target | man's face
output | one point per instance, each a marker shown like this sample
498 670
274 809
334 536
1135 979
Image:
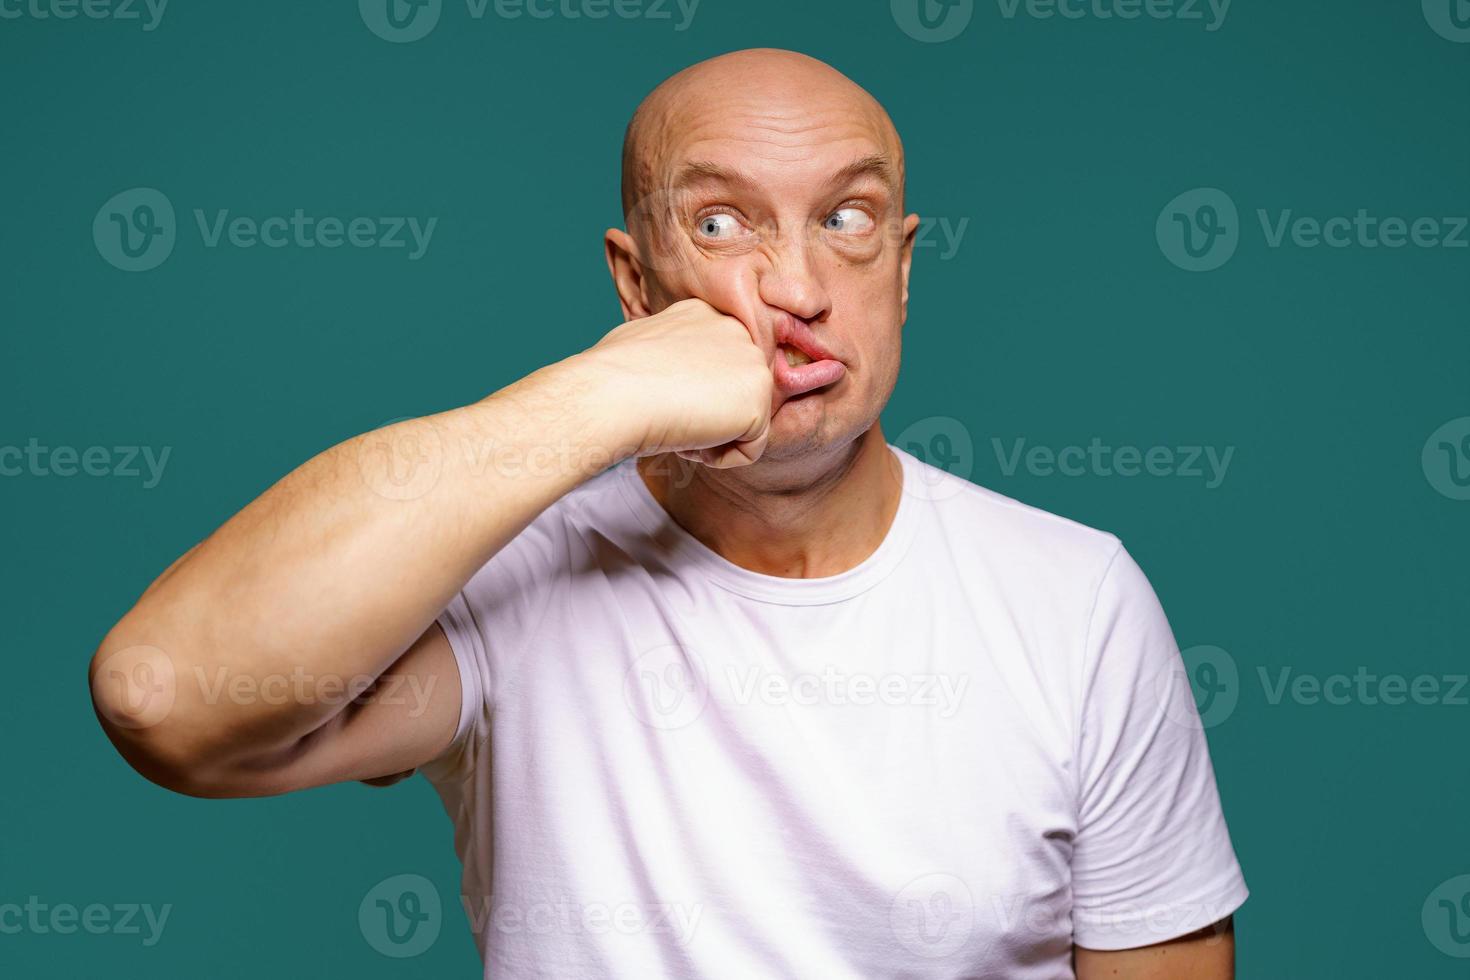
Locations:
787 214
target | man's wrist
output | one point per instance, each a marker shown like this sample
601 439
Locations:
566 421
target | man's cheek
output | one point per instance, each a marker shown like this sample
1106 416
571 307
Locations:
733 288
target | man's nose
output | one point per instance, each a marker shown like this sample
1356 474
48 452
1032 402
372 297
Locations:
791 280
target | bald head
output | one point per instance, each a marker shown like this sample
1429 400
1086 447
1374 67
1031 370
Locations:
778 101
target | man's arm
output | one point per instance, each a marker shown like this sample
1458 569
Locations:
340 569
1208 954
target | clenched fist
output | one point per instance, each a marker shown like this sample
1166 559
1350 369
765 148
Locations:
692 381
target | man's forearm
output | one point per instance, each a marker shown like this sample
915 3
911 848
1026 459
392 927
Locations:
341 565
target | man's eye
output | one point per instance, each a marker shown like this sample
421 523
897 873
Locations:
849 221
719 226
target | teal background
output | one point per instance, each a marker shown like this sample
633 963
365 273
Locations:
1059 319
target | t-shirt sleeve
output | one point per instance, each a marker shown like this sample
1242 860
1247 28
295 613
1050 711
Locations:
1152 858
468 643
489 622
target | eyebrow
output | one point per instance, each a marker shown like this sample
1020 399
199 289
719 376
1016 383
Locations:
703 171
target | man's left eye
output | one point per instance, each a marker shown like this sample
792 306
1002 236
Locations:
849 221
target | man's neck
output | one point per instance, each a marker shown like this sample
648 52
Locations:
806 519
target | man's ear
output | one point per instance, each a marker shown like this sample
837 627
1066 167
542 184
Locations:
627 273
906 261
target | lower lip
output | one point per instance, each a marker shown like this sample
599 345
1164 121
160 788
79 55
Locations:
792 381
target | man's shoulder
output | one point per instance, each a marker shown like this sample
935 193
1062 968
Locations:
981 522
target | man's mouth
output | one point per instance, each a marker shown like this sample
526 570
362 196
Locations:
804 364
795 356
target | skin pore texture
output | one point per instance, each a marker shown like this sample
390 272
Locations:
770 186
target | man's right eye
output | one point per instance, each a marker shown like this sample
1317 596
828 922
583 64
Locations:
719 226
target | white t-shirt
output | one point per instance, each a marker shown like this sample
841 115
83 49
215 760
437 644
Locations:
953 760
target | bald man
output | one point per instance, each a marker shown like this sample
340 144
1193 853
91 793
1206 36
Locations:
712 680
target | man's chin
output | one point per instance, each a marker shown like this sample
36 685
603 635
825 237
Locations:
800 428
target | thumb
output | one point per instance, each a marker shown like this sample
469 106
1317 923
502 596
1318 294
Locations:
742 451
